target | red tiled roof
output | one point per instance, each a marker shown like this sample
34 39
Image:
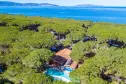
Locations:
64 53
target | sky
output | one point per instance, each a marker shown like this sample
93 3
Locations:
75 2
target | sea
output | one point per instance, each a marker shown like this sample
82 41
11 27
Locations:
95 14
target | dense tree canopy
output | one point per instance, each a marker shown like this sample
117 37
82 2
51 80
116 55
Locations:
25 44
37 58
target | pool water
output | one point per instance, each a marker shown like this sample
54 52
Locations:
59 75
68 69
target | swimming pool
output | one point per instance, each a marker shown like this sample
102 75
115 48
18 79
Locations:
59 75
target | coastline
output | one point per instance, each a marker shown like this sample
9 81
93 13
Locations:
81 13
62 18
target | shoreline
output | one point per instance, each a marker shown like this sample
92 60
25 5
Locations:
64 18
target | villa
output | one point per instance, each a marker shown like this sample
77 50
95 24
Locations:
61 65
62 58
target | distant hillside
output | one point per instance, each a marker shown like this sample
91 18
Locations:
6 3
88 5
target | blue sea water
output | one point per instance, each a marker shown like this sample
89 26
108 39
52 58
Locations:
108 14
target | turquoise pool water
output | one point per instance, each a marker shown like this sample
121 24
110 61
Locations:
68 69
59 75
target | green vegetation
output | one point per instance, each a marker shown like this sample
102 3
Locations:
25 44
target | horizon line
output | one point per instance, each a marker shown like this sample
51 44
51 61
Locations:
65 5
